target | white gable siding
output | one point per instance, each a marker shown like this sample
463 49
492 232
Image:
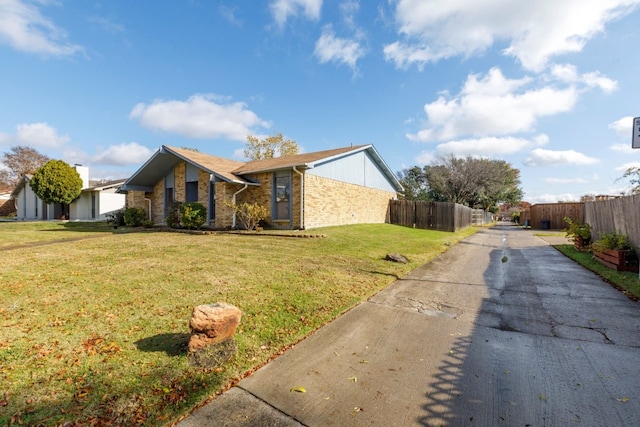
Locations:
357 168
30 207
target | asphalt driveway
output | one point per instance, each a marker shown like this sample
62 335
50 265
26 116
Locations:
500 330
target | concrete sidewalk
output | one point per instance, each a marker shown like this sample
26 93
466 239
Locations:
406 355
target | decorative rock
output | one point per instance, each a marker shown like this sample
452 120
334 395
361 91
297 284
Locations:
397 258
212 324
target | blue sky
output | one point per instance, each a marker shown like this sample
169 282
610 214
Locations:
550 86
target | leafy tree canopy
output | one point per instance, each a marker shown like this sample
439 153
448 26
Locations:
56 182
633 175
478 183
18 161
415 184
269 147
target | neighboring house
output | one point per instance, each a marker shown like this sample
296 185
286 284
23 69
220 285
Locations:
97 199
334 187
7 206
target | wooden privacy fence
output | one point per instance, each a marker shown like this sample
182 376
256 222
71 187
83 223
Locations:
551 215
442 216
621 215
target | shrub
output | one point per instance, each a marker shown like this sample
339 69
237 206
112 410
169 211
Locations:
116 217
614 240
134 217
193 215
577 230
250 214
173 215
147 223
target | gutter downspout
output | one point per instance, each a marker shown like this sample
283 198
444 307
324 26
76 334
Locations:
301 197
233 224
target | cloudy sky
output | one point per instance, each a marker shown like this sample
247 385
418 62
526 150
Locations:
551 86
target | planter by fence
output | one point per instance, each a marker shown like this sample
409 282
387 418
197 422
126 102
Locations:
615 259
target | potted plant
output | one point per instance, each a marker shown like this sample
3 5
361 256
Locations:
616 251
579 233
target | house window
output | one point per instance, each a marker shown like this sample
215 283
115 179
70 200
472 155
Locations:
168 200
282 196
191 183
93 205
212 201
191 191
36 205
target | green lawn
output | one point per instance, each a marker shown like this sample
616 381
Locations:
95 330
625 281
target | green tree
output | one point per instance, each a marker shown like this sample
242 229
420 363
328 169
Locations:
478 183
269 147
633 175
415 184
56 182
18 161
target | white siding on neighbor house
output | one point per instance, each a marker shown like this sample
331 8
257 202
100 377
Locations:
30 207
357 168
105 201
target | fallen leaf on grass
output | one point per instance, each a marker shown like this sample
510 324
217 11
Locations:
298 389
354 379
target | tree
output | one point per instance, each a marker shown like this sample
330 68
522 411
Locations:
18 161
478 183
269 147
633 175
414 182
56 182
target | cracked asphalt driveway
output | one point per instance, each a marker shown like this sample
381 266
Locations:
501 329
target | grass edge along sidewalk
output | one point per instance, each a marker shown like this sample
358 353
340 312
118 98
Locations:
94 330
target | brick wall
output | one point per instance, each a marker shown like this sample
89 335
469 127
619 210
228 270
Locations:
157 203
179 175
329 202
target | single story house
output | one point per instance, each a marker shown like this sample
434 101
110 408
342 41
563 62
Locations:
7 206
341 186
97 199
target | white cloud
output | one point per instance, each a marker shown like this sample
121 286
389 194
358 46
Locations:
24 28
566 181
553 198
283 9
492 105
534 31
623 127
348 9
623 148
425 158
330 48
200 117
489 146
541 157
128 153
625 166
229 14
38 135
568 73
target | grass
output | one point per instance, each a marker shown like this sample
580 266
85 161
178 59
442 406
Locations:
95 330
625 281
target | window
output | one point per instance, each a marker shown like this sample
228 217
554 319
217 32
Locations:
212 201
191 183
93 205
192 191
168 200
282 196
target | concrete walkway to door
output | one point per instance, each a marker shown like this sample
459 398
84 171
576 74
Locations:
502 329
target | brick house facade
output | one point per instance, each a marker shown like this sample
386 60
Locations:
334 187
